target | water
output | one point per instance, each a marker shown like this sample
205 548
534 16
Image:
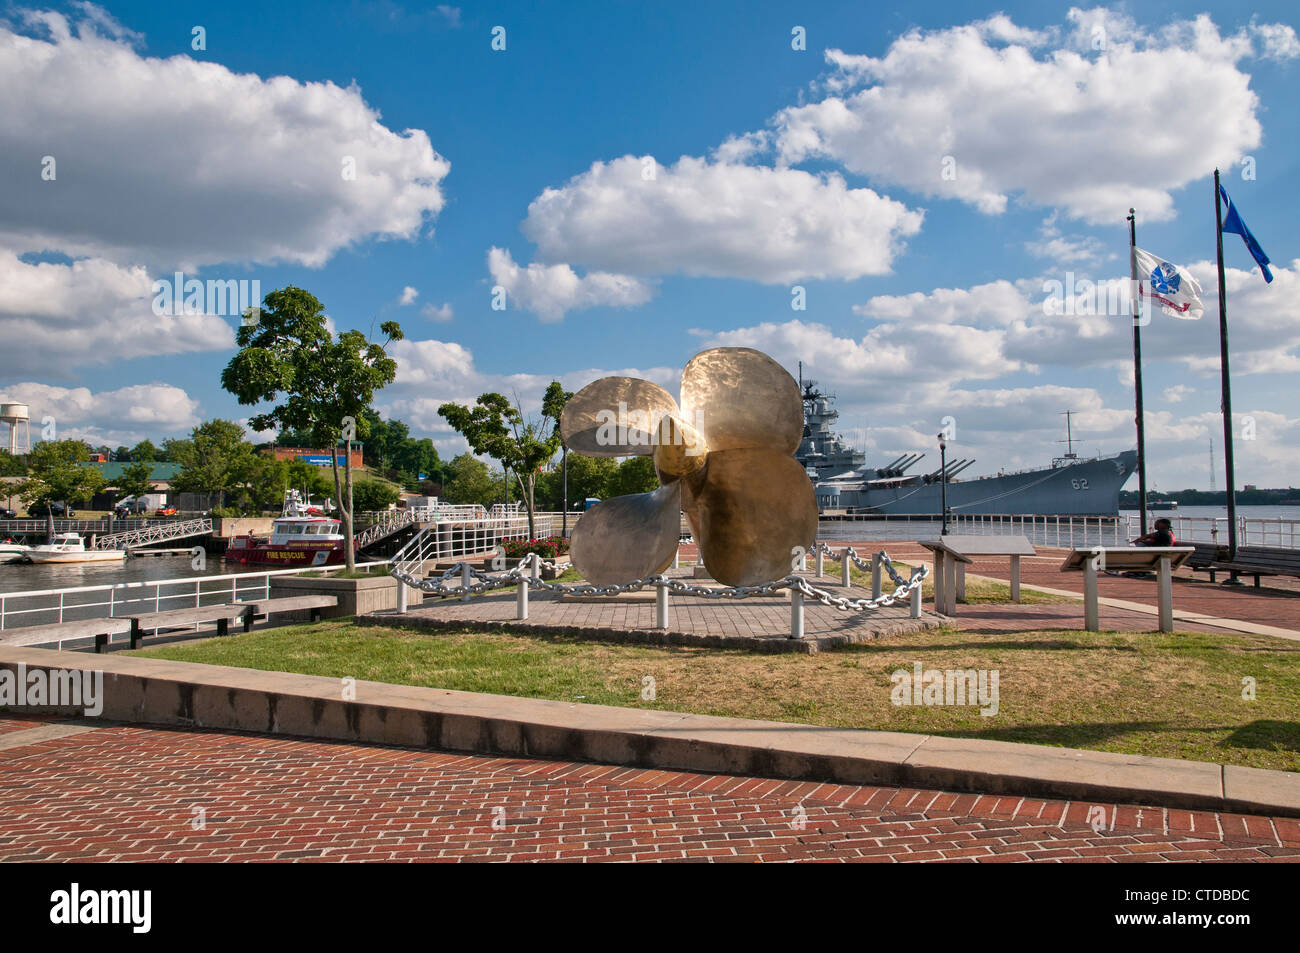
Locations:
22 577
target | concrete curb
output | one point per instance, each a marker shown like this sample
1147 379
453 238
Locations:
157 691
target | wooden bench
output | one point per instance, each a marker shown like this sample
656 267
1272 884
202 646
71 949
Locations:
1163 559
1261 561
58 632
183 618
1206 558
264 608
952 556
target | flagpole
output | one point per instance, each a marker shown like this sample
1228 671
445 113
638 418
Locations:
1137 367
1231 485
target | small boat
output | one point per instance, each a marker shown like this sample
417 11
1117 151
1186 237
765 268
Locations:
11 552
71 548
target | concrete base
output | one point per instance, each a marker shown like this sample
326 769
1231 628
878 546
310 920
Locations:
157 691
356 596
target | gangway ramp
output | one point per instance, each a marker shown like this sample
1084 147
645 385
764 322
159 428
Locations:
156 533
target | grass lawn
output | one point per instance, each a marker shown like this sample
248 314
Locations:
1176 695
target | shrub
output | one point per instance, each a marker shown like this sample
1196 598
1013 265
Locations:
547 547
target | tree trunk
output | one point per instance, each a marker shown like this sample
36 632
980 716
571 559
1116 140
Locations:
338 495
49 522
350 545
526 490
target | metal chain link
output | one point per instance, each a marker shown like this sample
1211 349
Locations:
521 574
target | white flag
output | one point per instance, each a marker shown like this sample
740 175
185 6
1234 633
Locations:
1169 286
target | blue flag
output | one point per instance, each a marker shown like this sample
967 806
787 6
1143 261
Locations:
1232 223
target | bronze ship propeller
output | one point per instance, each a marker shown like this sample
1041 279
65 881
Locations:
724 455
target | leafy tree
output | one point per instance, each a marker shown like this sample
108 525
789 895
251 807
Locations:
121 455
56 475
324 382
523 447
588 476
634 475
468 481
214 460
372 495
146 452
11 465
134 481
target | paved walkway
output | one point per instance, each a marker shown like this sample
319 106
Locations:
124 793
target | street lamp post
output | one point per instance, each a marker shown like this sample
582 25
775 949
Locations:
564 492
943 482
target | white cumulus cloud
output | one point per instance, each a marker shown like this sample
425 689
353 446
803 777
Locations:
550 291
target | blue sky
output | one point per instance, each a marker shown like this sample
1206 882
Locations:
923 292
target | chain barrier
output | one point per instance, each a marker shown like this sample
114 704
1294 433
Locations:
437 585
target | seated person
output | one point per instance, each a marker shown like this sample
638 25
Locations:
1163 535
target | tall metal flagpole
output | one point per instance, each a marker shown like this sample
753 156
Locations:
1137 367
1231 485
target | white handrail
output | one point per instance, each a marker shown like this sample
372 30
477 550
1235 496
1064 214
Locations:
123 593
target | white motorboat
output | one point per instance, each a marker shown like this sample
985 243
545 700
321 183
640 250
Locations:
13 552
71 548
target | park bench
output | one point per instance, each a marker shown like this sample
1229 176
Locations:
264 608
1161 559
1206 557
1261 561
952 555
184 618
59 632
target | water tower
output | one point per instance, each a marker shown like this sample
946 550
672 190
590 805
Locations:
13 415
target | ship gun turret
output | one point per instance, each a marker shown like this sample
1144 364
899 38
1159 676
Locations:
949 471
897 468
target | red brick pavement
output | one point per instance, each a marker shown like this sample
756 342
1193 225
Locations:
126 793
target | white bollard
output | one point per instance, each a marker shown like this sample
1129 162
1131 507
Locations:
401 596
820 563
875 575
796 614
845 565
677 558
521 600
916 603
464 582
661 607
536 563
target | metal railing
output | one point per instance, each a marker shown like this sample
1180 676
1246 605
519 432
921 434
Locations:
155 533
1251 530
23 527
446 540
41 606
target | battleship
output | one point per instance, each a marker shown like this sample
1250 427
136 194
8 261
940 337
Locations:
845 485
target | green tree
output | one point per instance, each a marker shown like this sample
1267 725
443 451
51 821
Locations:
214 461
11 465
56 475
468 482
372 495
134 481
146 452
495 428
325 382
588 476
634 475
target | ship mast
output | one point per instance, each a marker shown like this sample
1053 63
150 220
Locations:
1069 435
